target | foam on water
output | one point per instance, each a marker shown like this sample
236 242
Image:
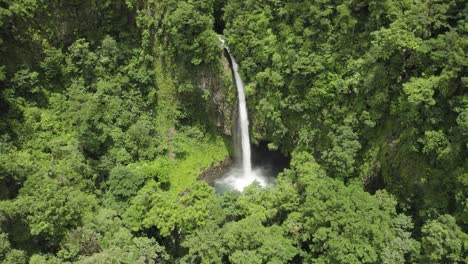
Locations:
235 179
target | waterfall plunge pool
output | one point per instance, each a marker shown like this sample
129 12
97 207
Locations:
266 165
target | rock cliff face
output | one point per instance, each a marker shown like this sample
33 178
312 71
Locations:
217 88
211 174
202 96
223 100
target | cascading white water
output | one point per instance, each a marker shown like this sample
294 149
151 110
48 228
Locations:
243 121
241 178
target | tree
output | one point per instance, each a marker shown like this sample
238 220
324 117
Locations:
52 209
443 241
205 245
248 241
124 184
4 245
15 257
344 224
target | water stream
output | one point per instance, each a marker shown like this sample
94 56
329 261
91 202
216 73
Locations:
243 120
240 177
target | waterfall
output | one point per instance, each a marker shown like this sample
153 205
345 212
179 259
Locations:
239 178
243 121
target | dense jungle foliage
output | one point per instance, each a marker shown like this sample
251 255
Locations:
110 110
